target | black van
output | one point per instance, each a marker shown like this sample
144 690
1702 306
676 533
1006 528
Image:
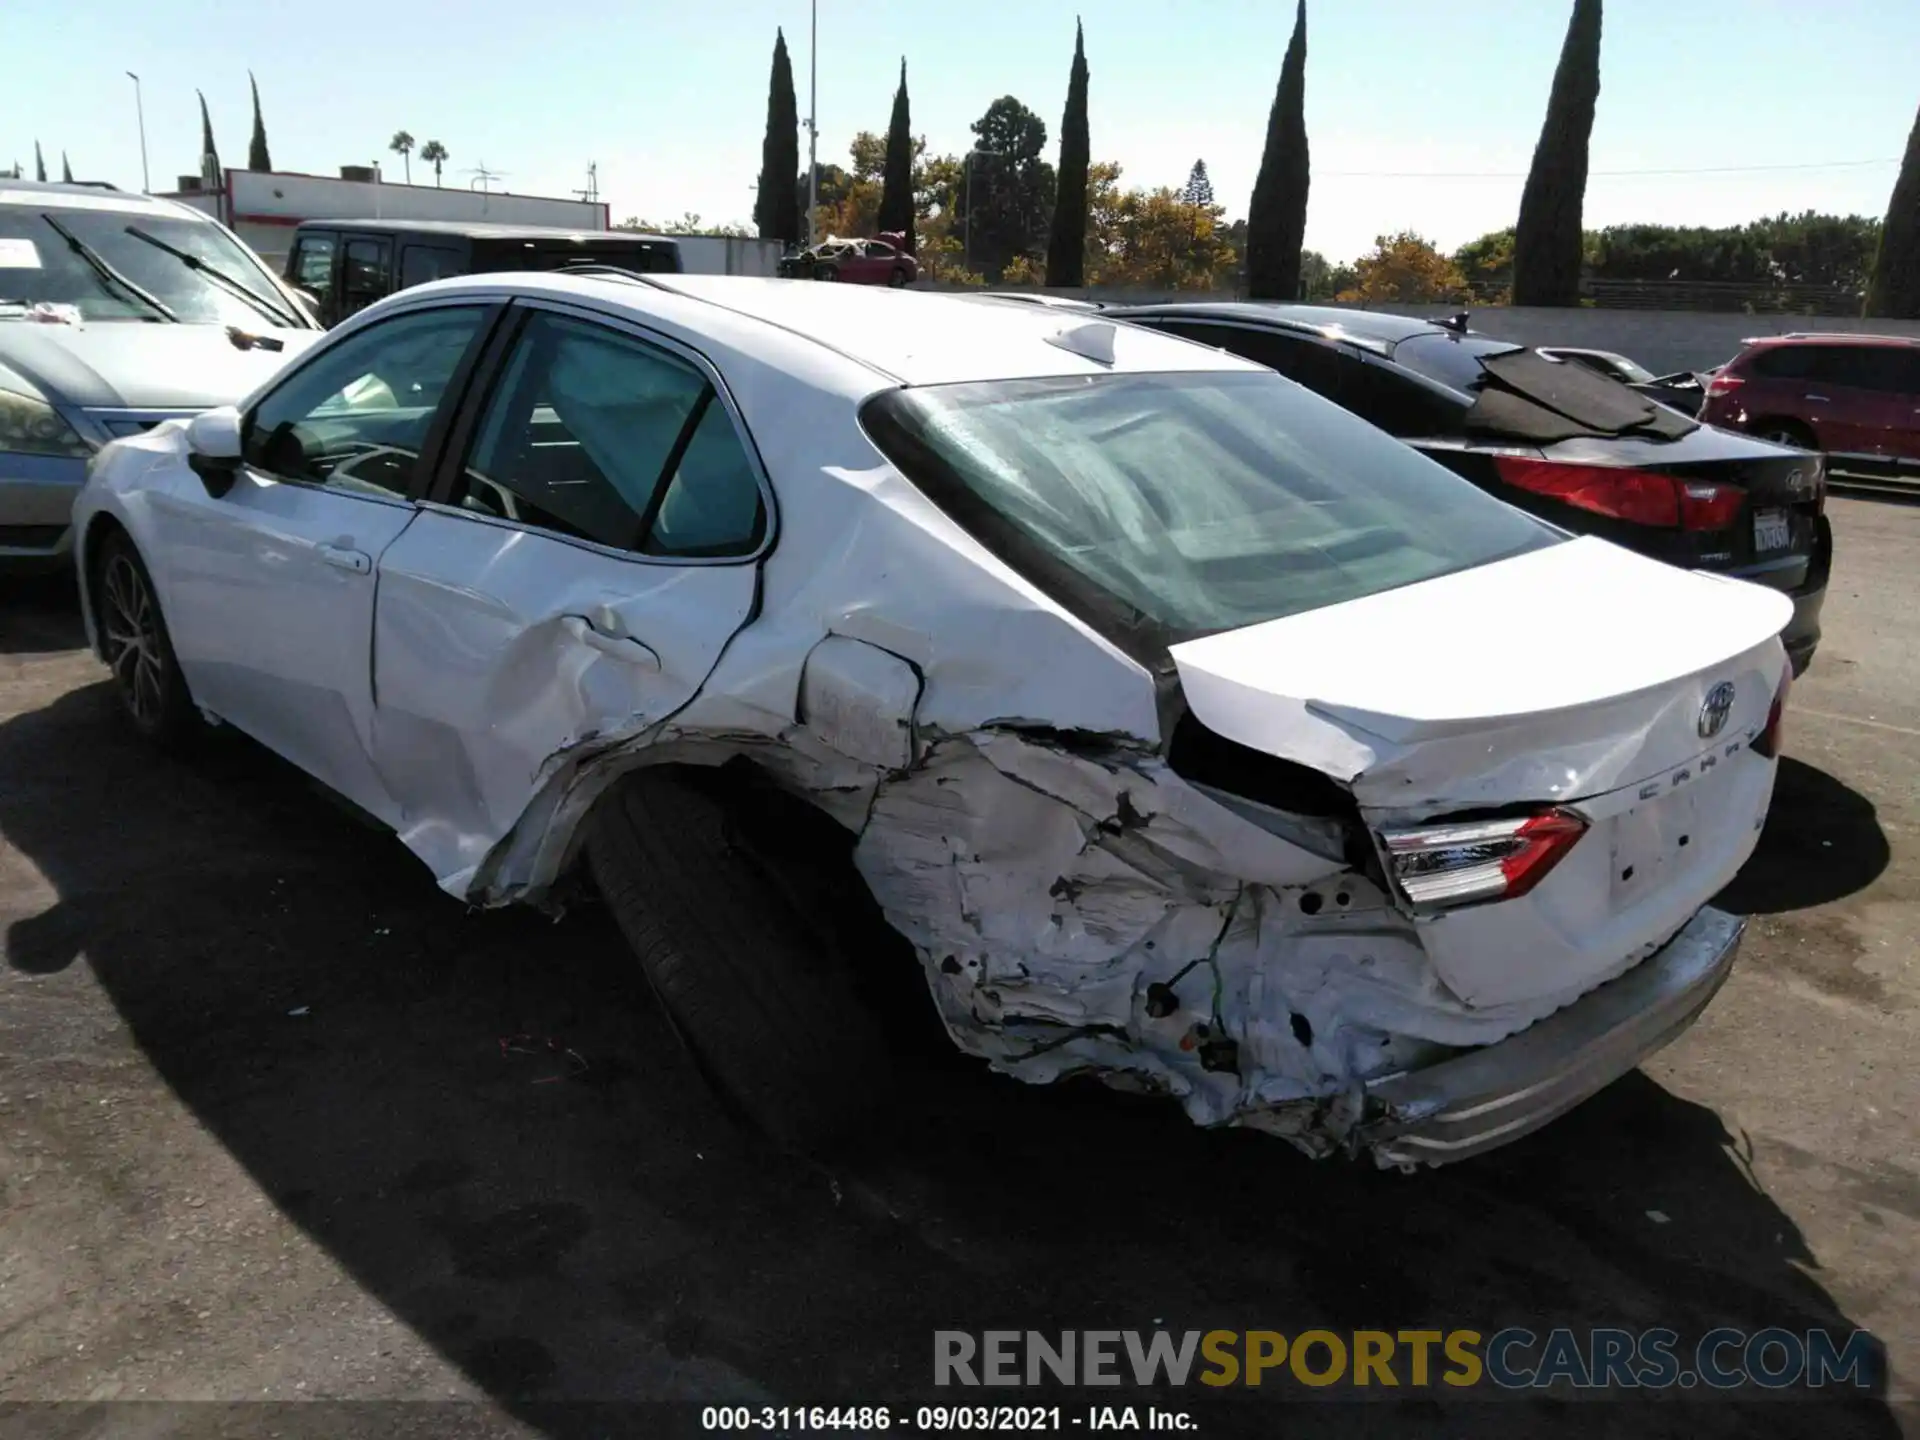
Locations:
346 265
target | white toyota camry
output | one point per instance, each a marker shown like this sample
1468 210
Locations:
1193 732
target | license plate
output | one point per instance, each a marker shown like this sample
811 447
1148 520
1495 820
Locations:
1772 530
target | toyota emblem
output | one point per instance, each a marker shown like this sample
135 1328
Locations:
1713 714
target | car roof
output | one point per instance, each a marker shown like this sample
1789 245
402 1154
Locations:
483 230
910 337
1831 337
52 196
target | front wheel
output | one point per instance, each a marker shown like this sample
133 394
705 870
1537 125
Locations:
897 279
134 640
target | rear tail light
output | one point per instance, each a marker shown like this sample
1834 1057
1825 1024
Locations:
1767 742
1469 862
1640 497
1724 384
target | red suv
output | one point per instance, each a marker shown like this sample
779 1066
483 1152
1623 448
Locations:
1857 397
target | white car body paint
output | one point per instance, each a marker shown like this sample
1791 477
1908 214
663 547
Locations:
1001 762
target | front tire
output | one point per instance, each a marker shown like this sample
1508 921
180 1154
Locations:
766 1003
134 640
897 279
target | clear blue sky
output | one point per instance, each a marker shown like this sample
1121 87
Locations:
671 100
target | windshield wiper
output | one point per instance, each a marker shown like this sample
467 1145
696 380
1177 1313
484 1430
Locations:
219 277
106 272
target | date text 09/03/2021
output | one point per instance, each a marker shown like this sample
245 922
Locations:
940 1419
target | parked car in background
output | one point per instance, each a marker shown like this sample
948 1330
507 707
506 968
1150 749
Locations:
346 265
1856 398
1186 730
1683 390
1553 438
117 311
882 260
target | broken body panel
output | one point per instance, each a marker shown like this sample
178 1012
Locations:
1077 904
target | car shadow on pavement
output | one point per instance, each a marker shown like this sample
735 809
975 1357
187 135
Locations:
40 615
484 1120
1822 843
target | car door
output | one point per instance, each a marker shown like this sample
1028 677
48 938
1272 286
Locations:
269 587
1904 443
311 268
366 272
587 552
1827 387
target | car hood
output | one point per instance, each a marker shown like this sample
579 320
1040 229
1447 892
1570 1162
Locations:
136 366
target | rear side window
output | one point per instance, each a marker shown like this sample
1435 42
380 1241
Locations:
1302 360
1164 507
421 263
1787 362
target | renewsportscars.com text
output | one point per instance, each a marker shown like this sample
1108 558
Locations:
1512 1359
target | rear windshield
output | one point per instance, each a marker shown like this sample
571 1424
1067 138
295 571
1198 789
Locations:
1166 507
1451 359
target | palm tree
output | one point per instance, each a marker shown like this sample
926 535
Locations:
435 154
402 145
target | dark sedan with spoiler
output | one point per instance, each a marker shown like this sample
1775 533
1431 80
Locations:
1574 447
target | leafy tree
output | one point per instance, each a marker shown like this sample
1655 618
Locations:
1405 269
1067 238
688 224
1199 188
210 171
257 156
896 181
39 164
402 145
1894 291
1006 188
1321 279
776 208
435 154
1547 239
1277 216
1815 249
1487 261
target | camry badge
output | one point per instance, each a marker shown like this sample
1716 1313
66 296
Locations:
1713 714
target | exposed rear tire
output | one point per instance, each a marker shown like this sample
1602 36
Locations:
766 1003
134 640
897 279
1786 432
826 272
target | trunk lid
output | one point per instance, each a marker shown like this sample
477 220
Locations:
1575 676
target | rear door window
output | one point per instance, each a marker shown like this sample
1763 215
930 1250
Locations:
1302 359
367 275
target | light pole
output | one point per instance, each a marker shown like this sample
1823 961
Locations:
140 110
813 116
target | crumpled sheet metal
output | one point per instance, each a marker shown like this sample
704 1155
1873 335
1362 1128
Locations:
1047 891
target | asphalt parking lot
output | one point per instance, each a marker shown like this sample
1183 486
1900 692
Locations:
266 1133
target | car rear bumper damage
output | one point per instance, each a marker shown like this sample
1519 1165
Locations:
1487 1097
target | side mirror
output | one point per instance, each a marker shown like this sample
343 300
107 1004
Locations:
213 448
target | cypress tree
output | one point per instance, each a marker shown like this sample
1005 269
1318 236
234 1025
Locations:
257 156
1199 187
210 171
896 187
1277 215
1894 291
66 170
1067 239
776 208
1547 240
39 164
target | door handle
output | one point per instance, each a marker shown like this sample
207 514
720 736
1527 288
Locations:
620 647
343 557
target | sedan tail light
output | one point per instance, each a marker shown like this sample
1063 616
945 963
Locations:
1640 497
1470 862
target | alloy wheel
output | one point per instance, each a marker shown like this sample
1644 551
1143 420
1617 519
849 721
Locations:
130 628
